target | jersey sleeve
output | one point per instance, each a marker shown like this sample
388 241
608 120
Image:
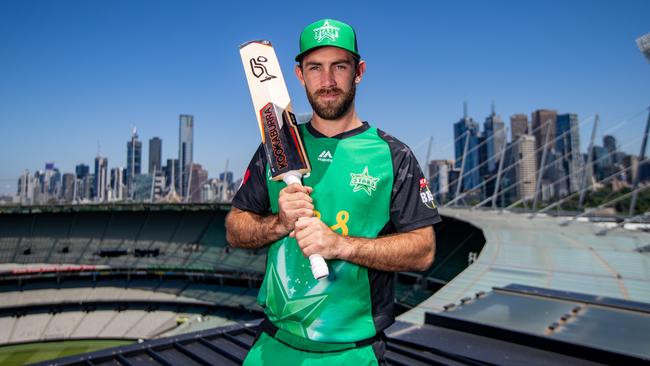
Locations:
253 194
411 204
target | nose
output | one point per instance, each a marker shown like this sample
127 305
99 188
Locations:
327 79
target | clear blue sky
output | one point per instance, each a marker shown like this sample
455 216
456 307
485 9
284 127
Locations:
78 74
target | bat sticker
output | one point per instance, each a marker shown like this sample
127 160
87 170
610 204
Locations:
259 69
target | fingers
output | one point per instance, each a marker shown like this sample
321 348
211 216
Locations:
292 197
306 222
312 236
296 188
294 202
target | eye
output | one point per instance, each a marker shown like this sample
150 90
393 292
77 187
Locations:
341 67
313 68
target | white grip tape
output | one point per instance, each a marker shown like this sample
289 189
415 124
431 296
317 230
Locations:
318 266
292 177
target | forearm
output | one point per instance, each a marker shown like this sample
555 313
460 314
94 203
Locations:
246 229
410 251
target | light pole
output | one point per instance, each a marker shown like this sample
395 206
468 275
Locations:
644 46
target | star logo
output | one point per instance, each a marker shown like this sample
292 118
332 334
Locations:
296 315
326 31
364 181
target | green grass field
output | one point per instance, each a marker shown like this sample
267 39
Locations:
24 354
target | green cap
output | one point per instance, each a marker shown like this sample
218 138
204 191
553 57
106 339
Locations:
327 32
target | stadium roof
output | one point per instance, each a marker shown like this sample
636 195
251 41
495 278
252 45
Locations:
547 252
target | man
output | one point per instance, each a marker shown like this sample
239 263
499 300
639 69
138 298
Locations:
365 207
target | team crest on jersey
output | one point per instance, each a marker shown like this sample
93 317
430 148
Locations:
425 194
363 181
326 31
325 156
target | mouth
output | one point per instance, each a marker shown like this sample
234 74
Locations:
329 95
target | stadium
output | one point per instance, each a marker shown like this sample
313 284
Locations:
160 283
112 275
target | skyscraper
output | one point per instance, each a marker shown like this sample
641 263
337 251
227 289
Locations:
117 184
602 162
185 149
82 170
101 178
68 187
155 156
518 125
439 178
26 188
568 147
198 177
495 140
539 120
466 129
133 159
525 171
609 142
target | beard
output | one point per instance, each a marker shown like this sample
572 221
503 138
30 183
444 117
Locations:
335 109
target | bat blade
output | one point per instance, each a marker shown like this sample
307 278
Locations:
277 123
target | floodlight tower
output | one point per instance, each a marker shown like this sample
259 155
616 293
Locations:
644 46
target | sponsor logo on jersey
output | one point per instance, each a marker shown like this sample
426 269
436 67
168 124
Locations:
325 156
425 194
326 31
363 182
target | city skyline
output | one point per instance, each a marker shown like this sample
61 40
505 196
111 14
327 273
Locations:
68 84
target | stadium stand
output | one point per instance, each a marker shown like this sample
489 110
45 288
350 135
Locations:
189 237
91 324
62 325
7 324
29 327
129 272
36 306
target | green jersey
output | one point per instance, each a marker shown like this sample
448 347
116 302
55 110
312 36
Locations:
366 184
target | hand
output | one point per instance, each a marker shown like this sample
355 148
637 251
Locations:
314 237
294 202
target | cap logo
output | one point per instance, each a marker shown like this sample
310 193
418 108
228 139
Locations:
326 31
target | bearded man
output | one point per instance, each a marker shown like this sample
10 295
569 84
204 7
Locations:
365 207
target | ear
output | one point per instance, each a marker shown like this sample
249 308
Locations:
361 69
298 71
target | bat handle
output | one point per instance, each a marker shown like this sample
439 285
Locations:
292 177
318 265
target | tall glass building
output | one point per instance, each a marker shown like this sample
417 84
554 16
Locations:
568 146
185 149
465 129
133 160
155 156
495 140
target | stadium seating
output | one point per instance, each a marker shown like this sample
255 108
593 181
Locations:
62 325
194 239
7 324
91 324
107 303
30 327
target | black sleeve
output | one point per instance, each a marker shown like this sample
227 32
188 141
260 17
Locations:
411 203
253 194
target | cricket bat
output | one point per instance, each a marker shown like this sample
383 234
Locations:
280 136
